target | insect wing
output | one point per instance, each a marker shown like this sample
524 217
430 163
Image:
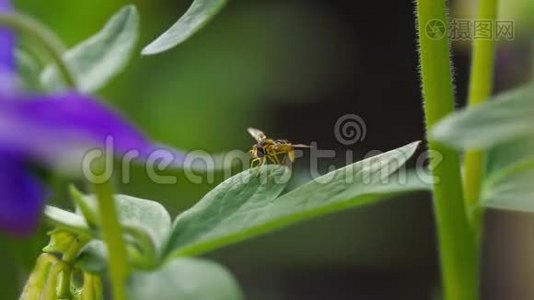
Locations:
257 134
300 146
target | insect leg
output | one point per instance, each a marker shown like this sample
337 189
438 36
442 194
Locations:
273 155
262 161
273 159
254 161
277 158
283 162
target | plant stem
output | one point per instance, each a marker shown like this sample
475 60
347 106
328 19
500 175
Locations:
51 285
64 286
68 259
113 236
40 33
457 249
88 292
480 88
36 283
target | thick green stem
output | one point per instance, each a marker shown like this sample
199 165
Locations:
114 238
38 32
480 88
457 248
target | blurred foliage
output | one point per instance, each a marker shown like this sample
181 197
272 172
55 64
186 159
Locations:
518 11
233 74
203 94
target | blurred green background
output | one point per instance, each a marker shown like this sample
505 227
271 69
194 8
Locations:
292 68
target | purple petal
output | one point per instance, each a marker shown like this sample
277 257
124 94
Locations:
5 5
22 196
61 129
7 47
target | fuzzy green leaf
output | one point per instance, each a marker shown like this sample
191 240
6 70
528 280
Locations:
94 257
198 14
504 118
511 188
508 154
28 70
184 279
66 220
98 59
244 206
143 218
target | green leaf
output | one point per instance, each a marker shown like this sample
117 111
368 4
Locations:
184 279
146 223
66 220
512 188
98 59
506 117
94 257
198 14
28 69
509 153
140 215
140 250
222 207
83 207
244 206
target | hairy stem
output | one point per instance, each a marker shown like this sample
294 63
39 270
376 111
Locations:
457 249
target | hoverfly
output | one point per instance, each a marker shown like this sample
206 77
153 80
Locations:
270 149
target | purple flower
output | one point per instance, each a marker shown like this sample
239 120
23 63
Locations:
52 130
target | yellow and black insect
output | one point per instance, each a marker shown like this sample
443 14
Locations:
270 149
